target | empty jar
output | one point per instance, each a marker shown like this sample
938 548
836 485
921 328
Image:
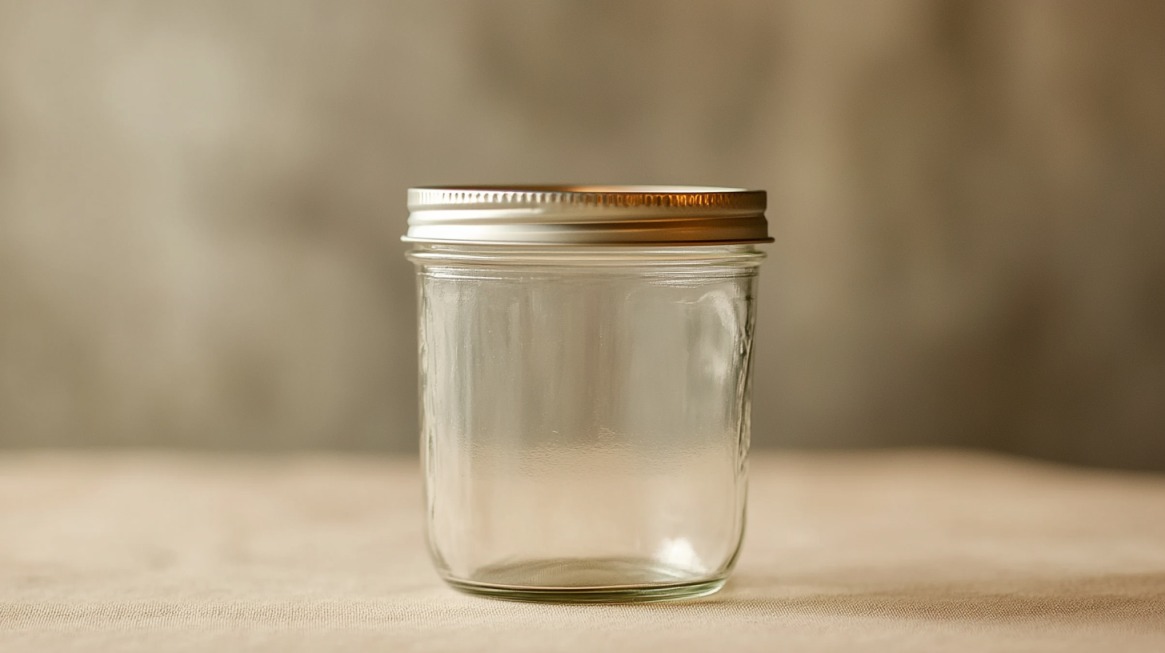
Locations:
585 365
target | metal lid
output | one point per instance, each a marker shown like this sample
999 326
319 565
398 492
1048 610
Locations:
587 215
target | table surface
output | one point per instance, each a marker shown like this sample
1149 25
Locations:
897 550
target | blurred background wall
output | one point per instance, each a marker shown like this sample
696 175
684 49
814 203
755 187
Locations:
200 204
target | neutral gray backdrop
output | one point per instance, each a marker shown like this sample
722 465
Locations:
200 204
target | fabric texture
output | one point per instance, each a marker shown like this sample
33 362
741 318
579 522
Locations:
888 551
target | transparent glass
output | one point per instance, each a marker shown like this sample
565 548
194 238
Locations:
585 417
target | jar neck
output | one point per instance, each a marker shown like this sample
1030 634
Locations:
745 255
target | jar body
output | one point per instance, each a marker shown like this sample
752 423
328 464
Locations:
585 417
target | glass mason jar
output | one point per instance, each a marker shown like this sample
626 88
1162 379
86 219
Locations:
585 365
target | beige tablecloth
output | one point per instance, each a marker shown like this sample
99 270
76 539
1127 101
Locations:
892 551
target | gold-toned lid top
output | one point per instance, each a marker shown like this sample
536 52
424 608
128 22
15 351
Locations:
587 215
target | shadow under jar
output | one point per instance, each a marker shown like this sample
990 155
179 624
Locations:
585 366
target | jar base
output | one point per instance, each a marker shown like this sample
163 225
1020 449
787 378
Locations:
608 580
